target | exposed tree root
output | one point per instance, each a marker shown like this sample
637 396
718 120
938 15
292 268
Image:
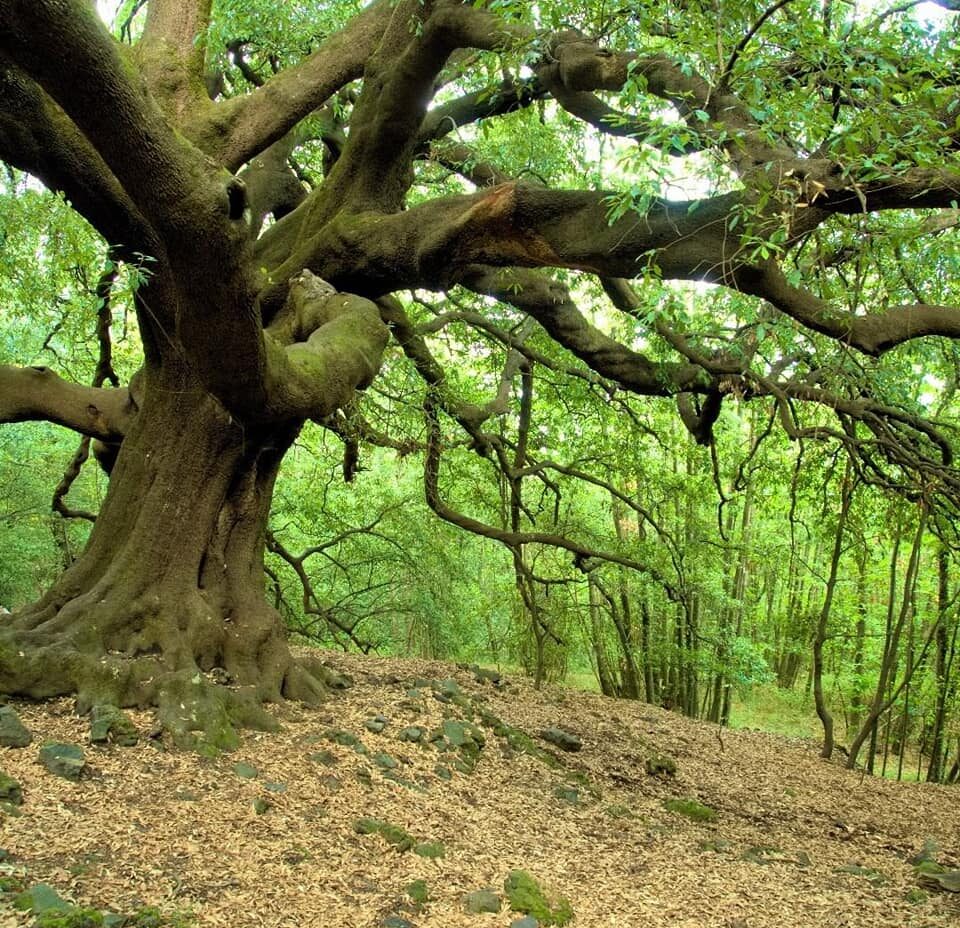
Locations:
200 709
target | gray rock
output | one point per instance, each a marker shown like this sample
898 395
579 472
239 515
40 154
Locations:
331 783
528 921
10 790
41 898
568 794
13 733
364 776
63 760
928 853
562 739
412 733
346 739
246 771
443 772
481 900
661 765
481 675
377 724
455 732
395 921
385 762
262 806
447 690
323 757
949 880
275 787
108 723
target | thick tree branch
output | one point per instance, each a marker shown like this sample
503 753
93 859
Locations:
551 305
462 160
374 171
38 137
271 186
321 348
872 334
510 96
173 54
510 225
38 394
184 202
242 127
580 65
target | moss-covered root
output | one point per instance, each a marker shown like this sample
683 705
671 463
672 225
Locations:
204 717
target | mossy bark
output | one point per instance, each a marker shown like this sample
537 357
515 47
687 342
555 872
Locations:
170 585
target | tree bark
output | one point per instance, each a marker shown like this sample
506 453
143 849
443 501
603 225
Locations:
171 584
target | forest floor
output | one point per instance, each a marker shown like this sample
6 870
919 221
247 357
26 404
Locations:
795 840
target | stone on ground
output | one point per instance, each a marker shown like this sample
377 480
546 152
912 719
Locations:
13 733
63 760
10 790
480 901
110 724
565 740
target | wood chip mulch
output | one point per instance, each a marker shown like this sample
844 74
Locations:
153 827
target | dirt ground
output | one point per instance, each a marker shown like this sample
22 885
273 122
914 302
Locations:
795 842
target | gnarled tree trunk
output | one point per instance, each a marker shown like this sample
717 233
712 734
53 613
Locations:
171 584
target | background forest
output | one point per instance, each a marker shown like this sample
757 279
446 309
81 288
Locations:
748 580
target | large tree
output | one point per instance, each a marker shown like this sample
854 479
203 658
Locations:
819 152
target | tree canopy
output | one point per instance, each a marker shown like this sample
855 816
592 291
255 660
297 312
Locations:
405 220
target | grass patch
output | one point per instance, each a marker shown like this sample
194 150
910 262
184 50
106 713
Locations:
691 809
527 896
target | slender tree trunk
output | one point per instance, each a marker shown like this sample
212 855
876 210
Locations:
935 769
891 610
905 713
820 636
622 614
856 699
881 701
605 677
650 682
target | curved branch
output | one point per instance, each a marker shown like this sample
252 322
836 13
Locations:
321 349
551 305
745 41
872 334
511 539
240 128
38 137
510 96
